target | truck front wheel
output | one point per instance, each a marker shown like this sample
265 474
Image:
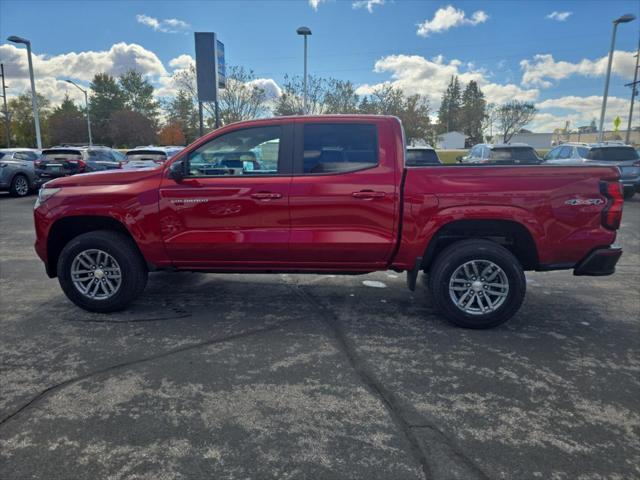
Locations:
477 284
101 271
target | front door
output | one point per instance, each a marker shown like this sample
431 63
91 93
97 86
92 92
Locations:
344 198
231 210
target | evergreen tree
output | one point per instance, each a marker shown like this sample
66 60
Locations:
449 114
182 111
473 112
106 98
138 95
67 124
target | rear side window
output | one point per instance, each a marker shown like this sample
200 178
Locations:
520 154
339 148
583 152
417 158
613 154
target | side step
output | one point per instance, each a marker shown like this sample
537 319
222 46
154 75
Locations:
412 275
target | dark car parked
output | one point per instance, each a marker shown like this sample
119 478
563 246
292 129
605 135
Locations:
421 156
502 154
63 161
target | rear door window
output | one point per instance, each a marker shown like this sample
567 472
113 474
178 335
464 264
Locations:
339 148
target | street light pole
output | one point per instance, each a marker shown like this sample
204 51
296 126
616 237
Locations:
6 109
623 19
305 31
634 91
34 99
86 102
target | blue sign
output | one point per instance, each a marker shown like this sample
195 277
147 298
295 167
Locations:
222 72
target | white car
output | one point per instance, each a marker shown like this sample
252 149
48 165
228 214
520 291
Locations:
148 157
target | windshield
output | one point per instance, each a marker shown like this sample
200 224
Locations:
416 158
613 154
521 154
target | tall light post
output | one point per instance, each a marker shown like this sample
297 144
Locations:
304 31
34 100
634 92
86 102
623 19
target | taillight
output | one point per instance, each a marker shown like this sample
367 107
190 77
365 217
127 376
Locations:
38 163
612 212
636 164
81 164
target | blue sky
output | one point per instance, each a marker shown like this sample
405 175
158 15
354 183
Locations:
513 49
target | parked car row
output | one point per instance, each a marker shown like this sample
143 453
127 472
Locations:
625 157
23 170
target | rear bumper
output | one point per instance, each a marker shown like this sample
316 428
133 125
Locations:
599 262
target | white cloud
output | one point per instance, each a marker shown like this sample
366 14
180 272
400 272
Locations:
543 68
315 4
270 87
449 17
559 16
168 25
182 62
368 4
430 77
554 112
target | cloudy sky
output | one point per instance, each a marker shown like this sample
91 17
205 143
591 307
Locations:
549 53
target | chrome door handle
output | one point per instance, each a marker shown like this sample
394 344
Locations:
367 194
266 195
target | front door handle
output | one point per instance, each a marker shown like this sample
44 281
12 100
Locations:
266 195
367 194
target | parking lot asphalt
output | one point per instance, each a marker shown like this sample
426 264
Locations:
315 376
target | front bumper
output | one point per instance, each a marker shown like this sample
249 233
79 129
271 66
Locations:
600 262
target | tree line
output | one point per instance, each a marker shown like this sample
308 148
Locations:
125 111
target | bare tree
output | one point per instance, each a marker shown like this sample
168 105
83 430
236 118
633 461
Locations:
291 102
240 100
512 116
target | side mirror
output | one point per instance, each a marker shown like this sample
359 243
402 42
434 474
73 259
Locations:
176 171
459 158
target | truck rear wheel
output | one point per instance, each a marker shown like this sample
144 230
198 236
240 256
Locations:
477 284
101 271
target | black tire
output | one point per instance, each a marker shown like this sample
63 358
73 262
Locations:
629 193
18 183
454 257
132 266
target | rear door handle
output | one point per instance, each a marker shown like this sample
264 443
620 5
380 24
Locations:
266 195
367 194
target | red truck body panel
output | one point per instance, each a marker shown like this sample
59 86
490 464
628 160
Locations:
366 220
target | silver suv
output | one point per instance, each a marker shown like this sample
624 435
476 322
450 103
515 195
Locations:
16 170
622 156
502 154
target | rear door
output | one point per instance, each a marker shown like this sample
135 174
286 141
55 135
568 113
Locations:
231 210
344 194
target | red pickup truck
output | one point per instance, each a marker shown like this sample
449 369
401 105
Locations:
320 194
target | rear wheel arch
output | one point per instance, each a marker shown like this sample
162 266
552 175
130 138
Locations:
511 234
68 228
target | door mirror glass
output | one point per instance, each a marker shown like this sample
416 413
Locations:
176 171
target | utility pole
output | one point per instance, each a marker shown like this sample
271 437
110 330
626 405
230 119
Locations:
7 125
634 92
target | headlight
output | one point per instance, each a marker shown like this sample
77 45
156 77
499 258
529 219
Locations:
45 194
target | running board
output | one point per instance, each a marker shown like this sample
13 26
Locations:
412 275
